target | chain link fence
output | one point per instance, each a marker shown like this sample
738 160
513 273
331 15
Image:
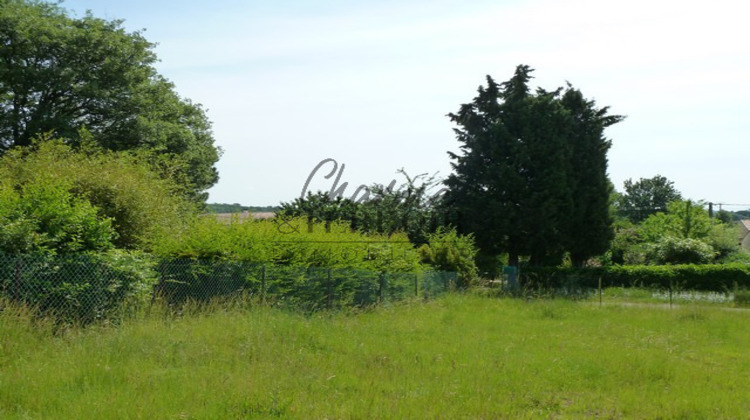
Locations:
83 288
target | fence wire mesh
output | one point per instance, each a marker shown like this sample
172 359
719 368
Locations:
88 287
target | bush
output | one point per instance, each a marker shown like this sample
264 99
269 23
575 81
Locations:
448 251
42 215
290 242
672 250
79 288
139 204
742 298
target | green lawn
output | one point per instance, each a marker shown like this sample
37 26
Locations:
455 357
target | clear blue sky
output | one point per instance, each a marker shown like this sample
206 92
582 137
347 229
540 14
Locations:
368 83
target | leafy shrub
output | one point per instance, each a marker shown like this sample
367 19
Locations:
446 250
671 250
742 298
42 215
723 239
299 264
79 288
140 205
290 242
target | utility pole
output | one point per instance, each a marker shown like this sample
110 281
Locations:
711 210
688 221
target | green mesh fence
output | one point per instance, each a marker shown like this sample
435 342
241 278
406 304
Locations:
88 287
79 288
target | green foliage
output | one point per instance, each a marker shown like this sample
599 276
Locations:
627 246
723 240
292 242
672 250
532 176
726 217
61 74
742 298
682 219
296 262
741 256
238 208
410 209
42 215
116 188
708 277
685 233
295 287
322 208
79 288
646 197
449 251
588 228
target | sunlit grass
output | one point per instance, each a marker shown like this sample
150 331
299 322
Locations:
456 357
646 295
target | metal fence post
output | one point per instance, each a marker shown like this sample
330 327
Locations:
670 294
329 291
381 281
263 284
17 286
416 285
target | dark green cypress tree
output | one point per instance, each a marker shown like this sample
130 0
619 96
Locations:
509 184
589 226
531 179
474 198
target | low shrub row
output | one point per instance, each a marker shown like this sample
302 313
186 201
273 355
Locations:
710 277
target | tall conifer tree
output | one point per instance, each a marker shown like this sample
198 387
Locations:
531 179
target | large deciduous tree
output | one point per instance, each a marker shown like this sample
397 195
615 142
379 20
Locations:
647 196
61 74
531 179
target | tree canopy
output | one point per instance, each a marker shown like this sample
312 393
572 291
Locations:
411 208
61 74
647 196
684 233
531 178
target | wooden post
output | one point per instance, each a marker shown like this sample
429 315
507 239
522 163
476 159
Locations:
600 291
416 285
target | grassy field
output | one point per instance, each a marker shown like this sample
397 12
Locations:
455 357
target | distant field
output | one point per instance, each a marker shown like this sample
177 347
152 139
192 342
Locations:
456 357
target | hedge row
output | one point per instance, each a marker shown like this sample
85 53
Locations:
710 277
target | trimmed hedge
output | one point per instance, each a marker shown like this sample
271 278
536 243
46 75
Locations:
709 277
